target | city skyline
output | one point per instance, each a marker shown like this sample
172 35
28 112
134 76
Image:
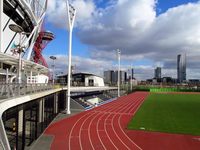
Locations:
145 41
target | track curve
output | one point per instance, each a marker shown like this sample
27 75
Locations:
103 127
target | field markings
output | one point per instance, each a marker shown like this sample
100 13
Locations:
81 129
119 123
70 134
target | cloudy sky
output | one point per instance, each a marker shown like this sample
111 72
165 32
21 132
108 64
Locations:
149 33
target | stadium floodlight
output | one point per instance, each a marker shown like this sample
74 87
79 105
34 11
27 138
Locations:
131 79
118 83
53 58
71 13
18 29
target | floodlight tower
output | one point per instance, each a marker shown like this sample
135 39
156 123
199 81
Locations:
118 83
53 58
71 13
131 78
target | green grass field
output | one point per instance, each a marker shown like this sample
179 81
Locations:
171 113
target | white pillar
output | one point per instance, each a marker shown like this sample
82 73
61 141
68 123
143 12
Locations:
56 103
118 52
1 26
69 72
19 69
20 61
71 13
131 79
41 110
6 75
53 71
20 120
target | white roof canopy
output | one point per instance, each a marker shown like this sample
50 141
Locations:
28 65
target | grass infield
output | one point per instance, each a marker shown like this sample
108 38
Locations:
171 113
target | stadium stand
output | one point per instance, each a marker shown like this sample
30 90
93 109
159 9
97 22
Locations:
85 99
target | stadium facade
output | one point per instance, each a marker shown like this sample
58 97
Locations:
28 15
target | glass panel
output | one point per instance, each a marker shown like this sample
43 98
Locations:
37 6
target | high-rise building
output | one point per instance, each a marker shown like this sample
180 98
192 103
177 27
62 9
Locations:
181 68
123 76
157 74
111 77
108 76
132 73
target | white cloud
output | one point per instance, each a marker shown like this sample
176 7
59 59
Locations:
85 11
132 26
81 64
57 13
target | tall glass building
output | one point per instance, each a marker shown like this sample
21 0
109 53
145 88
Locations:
181 68
157 73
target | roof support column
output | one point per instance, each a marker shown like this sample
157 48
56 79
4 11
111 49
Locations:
1 26
3 136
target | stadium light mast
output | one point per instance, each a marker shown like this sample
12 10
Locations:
118 83
53 58
131 78
71 13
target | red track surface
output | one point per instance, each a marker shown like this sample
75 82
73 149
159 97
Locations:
105 128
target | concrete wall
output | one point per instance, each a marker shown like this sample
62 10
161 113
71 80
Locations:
98 81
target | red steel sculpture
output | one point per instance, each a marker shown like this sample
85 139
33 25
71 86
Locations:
43 39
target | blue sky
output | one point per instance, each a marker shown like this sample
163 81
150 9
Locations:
164 5
83 40
59 45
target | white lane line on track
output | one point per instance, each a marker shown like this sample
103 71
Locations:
70 135
100 130
133 107
91 114
89 130
110 106
103 113
122 107
108 134
123 130
127 107
142 100
107 108
117 134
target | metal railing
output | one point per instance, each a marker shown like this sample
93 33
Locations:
8 90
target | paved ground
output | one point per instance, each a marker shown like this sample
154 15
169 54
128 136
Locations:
105 128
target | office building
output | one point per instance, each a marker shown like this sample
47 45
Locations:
108 76
157 72
132 73
181 68
111 77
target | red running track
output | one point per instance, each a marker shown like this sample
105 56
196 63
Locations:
104 128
